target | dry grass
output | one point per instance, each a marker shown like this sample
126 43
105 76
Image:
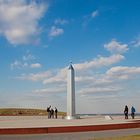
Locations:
134 137
24 112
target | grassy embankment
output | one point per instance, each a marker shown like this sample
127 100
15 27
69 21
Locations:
24 112
133 137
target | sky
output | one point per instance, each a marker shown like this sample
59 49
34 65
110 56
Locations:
39 39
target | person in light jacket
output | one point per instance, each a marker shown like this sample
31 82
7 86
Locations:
133 112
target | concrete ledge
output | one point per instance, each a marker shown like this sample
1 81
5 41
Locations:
66 129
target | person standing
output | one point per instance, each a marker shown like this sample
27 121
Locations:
126 112
49 112
133 112
55 112
52 113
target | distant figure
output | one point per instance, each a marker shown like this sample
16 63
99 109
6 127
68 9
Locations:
49 112
52 113
133 112
126 112
55 112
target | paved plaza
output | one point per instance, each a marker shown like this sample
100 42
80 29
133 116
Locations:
43 121
14 122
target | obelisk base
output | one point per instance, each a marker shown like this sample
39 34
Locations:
72 117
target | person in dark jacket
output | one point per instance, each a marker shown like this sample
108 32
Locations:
126 112
52 113
49 112
55 112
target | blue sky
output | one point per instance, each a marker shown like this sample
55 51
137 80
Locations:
38 39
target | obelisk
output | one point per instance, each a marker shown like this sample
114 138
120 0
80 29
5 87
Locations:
70 93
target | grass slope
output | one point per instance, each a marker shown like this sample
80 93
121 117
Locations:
24 112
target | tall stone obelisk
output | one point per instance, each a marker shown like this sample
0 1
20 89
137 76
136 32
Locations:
70 93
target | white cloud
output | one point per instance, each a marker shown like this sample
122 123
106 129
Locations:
88 18
55 31
116 47
27 61
93 89
84 78
60 21
35 65
112 81
35 77
99 62
58 78
18 64
123 73
87 80
28 57
104 90
19 20
51 90
94 14
92 80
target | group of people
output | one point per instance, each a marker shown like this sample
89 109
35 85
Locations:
126 110
52 113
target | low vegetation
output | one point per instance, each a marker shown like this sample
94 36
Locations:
134 137
24 112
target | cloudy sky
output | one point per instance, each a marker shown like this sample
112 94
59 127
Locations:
39 38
